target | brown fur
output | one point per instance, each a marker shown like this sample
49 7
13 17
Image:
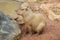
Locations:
34 22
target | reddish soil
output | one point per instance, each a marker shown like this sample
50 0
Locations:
50 32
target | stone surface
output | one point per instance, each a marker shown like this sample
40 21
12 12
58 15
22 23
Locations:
9 29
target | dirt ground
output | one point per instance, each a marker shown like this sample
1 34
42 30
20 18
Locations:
50 32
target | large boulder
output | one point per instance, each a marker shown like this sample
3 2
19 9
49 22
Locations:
9 29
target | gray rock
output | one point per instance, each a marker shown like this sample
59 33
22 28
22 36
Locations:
9 29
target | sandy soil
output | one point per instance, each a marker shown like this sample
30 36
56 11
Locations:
50 32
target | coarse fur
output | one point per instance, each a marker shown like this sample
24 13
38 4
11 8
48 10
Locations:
34 21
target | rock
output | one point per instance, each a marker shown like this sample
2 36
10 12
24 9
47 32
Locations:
9 29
